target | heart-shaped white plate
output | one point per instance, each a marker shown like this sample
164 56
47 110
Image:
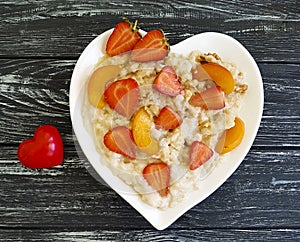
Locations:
229 50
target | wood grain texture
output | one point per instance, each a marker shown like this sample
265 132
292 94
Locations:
35 92
53 28
40 42
263 193
177 235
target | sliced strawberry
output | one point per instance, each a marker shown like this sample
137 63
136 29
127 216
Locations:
120 140
199 154
210 99
158 177
123 38
123 96
168 119
152 47
167 82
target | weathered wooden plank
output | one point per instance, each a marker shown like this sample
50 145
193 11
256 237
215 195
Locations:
35 92
259 202
263 193
52 28
150 235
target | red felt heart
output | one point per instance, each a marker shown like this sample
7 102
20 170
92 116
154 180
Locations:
44 150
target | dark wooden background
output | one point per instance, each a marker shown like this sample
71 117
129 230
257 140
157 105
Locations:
40 42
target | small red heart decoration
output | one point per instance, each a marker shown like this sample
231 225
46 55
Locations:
44 150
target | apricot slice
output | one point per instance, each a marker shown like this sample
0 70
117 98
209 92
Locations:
141 127
219 74
97 82
231 138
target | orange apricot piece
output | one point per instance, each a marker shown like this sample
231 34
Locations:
219 74
231 138
141 128
97 82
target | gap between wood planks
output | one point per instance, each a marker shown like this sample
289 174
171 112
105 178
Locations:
41 57
188 228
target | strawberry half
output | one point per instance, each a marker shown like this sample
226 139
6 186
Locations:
199 154
158 177
167 82
120 140
123 38
123 96
210 99
152 47
168 119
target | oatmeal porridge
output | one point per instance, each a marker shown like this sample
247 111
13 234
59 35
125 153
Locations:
177 128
